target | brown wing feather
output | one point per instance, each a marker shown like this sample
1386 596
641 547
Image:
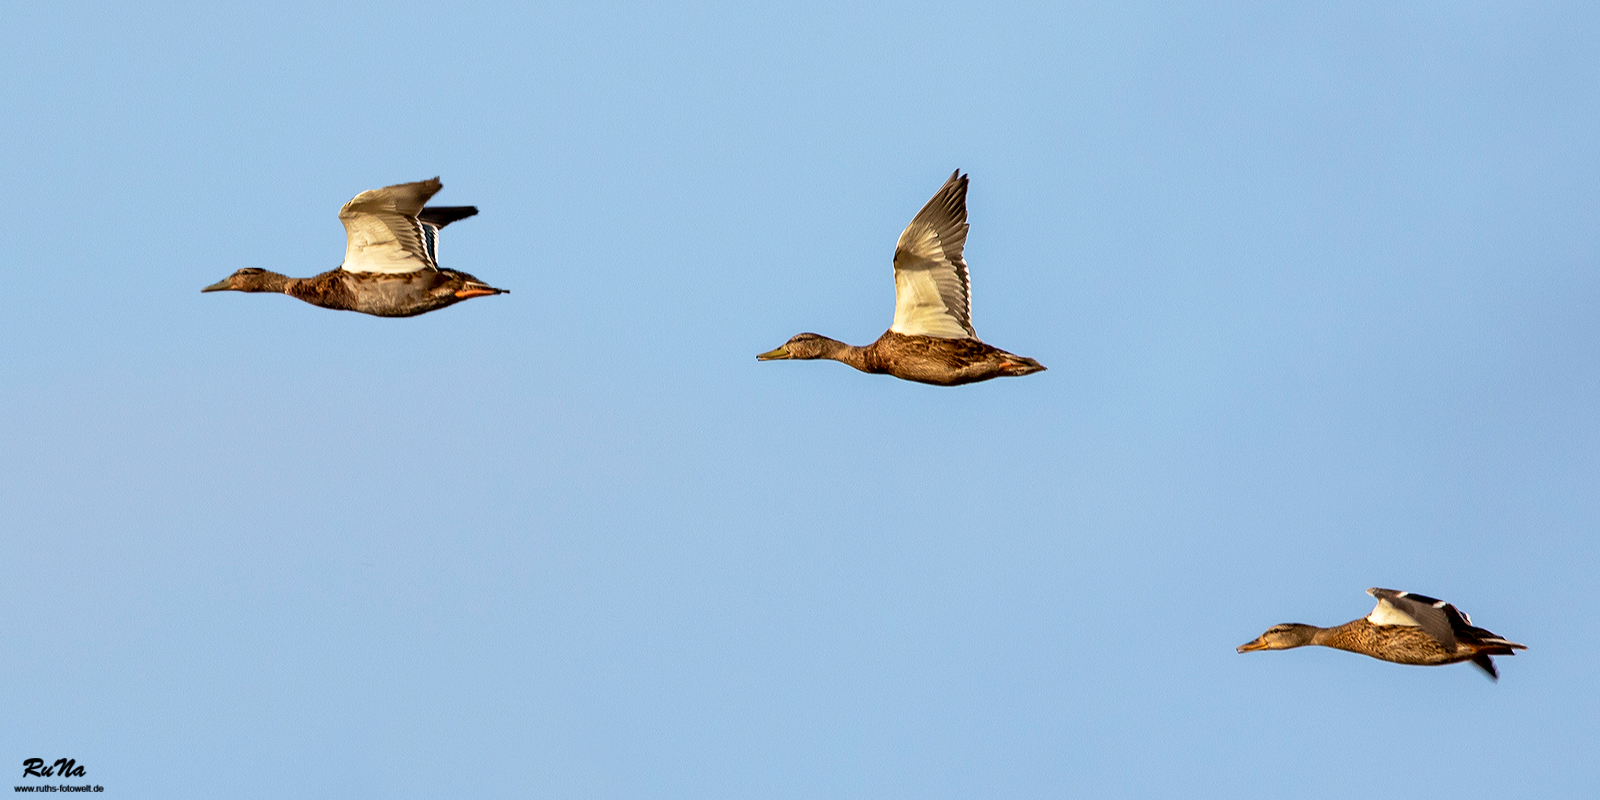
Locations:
933 290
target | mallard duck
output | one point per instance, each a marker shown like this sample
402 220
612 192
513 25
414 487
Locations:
391 259
931 340
1405 628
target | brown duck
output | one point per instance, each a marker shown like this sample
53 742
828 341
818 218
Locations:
931 339
1405 628
391 259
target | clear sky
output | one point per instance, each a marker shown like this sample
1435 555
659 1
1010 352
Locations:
1317 286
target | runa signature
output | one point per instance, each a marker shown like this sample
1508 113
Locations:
64 767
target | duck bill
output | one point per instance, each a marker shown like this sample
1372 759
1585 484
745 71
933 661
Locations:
219 286
780 354
1251 646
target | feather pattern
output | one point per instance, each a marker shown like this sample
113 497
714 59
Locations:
433 218
932 289
1435 617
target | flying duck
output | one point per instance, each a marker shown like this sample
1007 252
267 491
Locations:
391 259
931 339
1405 628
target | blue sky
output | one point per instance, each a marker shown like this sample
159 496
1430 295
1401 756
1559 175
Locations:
1316 285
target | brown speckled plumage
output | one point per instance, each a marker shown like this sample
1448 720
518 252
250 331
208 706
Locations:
1402 644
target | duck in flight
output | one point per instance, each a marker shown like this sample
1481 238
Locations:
931 339
1404 628
391 259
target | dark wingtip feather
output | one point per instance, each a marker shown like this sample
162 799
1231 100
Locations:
1484 662
440 216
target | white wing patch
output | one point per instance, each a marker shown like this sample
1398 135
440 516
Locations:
384 243
1386 614
919 308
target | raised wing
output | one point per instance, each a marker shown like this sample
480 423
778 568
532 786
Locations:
1437 618
932 292
382 233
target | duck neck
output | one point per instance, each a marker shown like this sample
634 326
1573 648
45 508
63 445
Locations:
272 282
845 353
1341 637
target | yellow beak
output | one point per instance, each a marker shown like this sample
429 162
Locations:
774 355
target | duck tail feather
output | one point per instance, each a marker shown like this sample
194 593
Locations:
1485 638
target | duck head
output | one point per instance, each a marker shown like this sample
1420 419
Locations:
1282 637
250 279
801 346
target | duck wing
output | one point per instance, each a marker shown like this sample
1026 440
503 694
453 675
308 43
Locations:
932 291
1405 608
383 234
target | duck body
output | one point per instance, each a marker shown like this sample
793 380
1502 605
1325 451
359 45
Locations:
931 339
405 294
1404 628
381 294
924 359
391 265
1400 644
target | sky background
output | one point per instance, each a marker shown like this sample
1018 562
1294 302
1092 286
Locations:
1316 285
